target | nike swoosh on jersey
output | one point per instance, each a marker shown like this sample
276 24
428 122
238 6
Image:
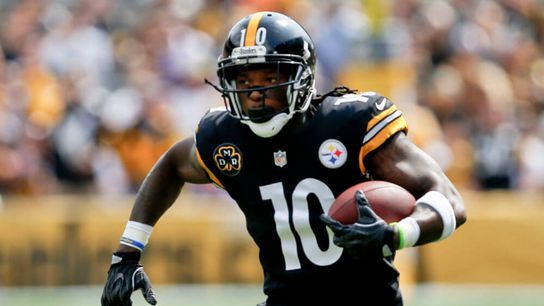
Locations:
381 104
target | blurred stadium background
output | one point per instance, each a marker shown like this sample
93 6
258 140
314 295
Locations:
93 91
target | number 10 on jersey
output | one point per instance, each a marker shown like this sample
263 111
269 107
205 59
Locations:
300 215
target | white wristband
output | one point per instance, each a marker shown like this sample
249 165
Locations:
136 235
409 232
442 206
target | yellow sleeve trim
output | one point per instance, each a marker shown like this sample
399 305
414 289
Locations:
214 179
396 125
372 123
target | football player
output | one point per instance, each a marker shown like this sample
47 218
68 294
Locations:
283 153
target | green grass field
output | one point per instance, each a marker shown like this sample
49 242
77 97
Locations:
250 295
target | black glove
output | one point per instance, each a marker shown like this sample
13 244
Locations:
125 276
369 236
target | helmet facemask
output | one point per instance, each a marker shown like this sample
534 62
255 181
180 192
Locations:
295 86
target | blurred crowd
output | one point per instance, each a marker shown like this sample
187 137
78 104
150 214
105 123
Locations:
92 92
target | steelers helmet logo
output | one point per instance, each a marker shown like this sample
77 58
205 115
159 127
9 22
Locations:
228 159
332 153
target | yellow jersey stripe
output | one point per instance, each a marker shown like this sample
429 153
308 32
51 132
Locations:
370 133
396 125
214 179
251 31
380 117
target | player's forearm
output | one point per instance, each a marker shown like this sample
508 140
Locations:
437 214
160 189
157 193
439 209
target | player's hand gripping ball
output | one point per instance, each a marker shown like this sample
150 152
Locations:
358 228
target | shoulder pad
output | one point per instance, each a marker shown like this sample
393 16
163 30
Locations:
367 100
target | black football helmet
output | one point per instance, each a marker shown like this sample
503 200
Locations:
268 40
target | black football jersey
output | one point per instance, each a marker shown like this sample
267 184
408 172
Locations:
285 182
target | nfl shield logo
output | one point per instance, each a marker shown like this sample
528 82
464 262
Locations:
280 158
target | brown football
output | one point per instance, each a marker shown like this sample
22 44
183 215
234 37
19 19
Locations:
390 201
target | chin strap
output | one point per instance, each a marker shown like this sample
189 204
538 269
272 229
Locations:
269 128
215 87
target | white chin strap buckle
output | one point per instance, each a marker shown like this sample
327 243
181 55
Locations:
271 127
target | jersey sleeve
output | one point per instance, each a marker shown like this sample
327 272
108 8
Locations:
202 143
386 121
